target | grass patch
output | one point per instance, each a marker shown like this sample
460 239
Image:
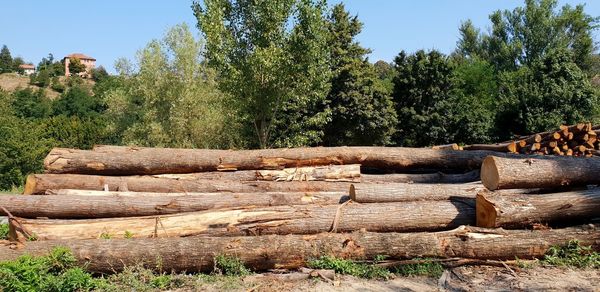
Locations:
230 266
424 268
3 231
573 254
347 267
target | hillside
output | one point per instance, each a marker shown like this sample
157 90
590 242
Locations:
13 81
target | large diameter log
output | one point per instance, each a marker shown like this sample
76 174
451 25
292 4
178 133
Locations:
437 177
524 210
197 254
98 204
399 192
309 219
134 160
40 183
539 172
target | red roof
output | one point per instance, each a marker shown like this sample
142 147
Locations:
26 66
80 56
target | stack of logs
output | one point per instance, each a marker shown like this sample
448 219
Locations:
177 209
577 140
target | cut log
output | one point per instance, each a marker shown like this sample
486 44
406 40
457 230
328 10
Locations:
98 204
452 146
540 172
309 219
438 177
511 147
40 183
380 193
132 160
197 254
524 210
349 173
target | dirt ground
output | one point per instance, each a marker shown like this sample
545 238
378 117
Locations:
470 278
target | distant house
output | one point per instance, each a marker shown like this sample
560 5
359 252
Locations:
28 69
89 62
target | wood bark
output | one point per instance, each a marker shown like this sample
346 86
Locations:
197 254
309 219
438 177
133 160
39 183
398 192
98 204
539 172
524 210
511 147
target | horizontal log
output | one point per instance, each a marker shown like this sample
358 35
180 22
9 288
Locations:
511 147
539 172
309 219
197 254
135 160
40 183
379 193
524 210
99 204
437 177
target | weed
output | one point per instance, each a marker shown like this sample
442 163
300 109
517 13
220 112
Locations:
3 231
105 235
138 278
128 235
230 266
572 255
425 268
348 267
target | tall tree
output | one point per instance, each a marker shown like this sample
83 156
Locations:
362 110
6 61
75 66
272 57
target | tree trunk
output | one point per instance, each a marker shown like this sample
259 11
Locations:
380 193
40 183
539 172
333 173
385 217
133 160
524 210
438 177
98 204
511 147
197 254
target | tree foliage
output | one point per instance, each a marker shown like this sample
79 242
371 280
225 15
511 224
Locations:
75 66
272 57
6 61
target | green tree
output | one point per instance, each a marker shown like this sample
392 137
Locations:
362 109
6 61
31 104
75 66
18 61
272 57
422 92
77 101
173 99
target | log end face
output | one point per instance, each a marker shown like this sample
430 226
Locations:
30 185
490 176
485 212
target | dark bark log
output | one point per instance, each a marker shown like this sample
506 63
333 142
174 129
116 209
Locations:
438 177
502 147
524 210
380 193
98 204
193 254
539 172
131 160
385 217
40 183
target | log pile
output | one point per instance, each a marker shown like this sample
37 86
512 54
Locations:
279 208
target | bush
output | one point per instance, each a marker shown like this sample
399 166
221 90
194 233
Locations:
230 266
572 255
3 231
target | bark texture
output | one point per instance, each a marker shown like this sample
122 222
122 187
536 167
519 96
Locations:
437 177
398 192
192 254
524 210
97 204
115 160
309 219
539 172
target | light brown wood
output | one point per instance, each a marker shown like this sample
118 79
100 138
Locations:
349 173
501 147
133 160
98 204
197 254
437 177
39 183
308 219
539 172
452 146
399 192
523 210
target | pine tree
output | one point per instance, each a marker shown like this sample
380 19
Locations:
6 61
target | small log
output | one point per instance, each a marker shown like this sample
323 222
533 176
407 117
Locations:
452 146
308 219
98 204
333 173
510 147
437 177
540 172
380 193
40 183
197 254
138 160
524 210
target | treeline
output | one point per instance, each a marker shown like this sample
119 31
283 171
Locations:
291 73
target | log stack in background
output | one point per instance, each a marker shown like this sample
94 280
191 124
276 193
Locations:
279 208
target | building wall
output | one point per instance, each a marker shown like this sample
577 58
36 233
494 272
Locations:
89 65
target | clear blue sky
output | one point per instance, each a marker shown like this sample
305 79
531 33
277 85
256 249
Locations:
110 29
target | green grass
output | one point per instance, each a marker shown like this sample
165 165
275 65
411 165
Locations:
347 267
425 268
573 255
230 266
3 231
